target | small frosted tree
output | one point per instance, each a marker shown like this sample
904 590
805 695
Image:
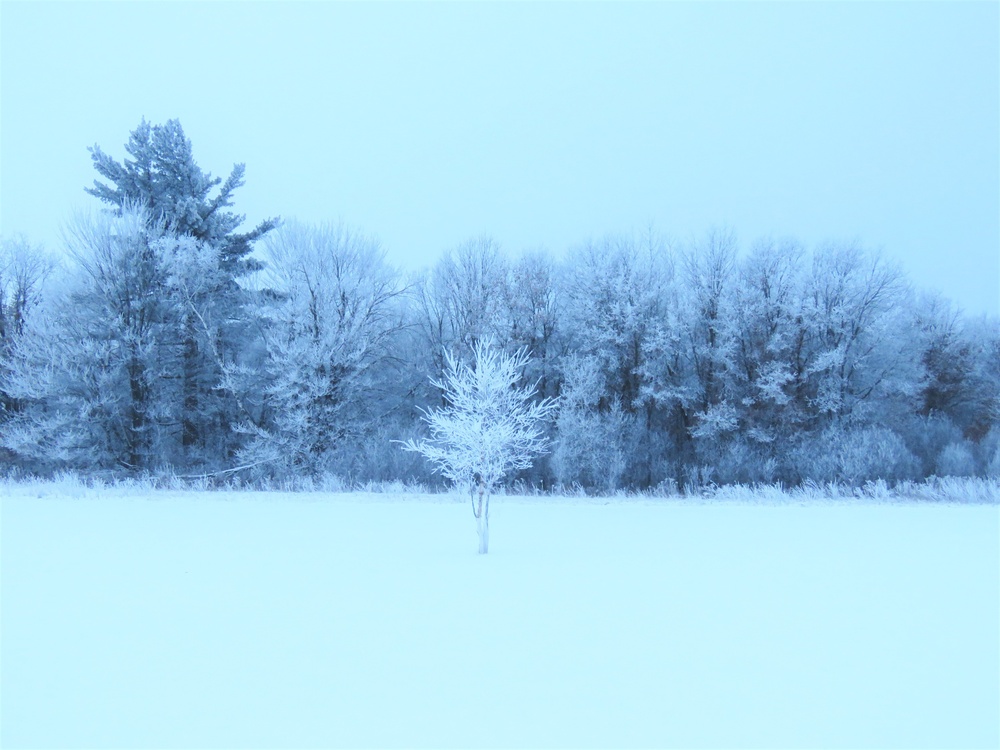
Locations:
488 428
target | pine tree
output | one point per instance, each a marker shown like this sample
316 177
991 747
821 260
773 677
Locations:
163 179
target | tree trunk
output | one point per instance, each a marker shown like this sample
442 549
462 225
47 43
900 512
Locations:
189 412
483 524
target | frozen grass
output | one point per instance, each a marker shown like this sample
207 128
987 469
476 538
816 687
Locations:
754 618
935 489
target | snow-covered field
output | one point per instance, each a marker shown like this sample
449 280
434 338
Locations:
180 619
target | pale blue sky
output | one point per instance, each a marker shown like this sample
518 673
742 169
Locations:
541 124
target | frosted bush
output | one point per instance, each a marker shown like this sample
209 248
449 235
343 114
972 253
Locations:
738 461
698 479
927 437
987 453
956 460
993 467
855 456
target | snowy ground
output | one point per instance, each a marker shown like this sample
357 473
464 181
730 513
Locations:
174 619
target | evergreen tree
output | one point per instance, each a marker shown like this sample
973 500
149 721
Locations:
163 180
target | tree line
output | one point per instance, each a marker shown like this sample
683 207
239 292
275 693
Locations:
171 342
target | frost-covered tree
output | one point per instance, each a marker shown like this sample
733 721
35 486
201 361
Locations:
615 302
330 334
533 312
462 301
759 329
615 293
709 271
488 428
984 332
23 271
100 375
855 351
763 327
946 356
959 361
591 447
162 177
87 371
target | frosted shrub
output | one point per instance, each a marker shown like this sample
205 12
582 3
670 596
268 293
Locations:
855 456
926 437
987 453
956 460
738 461
376 458
698 479
993 467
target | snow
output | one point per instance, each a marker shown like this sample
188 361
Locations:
135 618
